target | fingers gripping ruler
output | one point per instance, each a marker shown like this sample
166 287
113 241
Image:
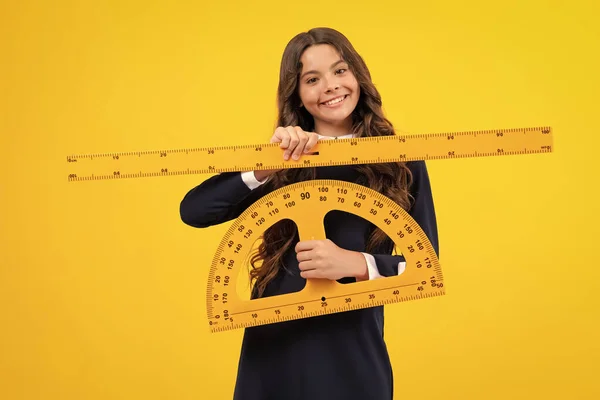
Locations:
422 277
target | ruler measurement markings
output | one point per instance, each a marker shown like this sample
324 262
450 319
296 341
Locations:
387 146
327 298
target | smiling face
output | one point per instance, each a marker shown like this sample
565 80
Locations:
328 90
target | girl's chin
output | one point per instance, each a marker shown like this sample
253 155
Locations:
338 115
334 120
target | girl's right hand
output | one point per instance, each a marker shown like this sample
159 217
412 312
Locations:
295 141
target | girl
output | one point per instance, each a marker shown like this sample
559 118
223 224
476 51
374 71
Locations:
325 92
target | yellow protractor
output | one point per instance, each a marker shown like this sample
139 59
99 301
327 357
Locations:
367 150
422 277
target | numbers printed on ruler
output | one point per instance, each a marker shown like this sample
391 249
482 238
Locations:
366 150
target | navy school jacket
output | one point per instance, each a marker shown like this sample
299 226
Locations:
330 357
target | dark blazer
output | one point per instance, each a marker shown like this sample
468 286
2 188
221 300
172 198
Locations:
330 357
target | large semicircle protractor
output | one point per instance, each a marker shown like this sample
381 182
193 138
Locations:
307 203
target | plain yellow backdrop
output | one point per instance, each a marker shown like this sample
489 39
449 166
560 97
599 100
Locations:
102 287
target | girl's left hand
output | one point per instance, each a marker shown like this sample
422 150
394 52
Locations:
325 260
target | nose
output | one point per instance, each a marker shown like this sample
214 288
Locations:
332 87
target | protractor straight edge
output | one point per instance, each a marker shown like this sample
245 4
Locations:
364 150
307 203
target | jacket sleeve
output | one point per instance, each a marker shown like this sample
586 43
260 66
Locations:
218 199
422 211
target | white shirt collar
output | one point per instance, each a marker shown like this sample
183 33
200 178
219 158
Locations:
350 135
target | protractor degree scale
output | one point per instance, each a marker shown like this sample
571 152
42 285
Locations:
365 150
307 203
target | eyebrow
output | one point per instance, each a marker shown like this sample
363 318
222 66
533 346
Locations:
316 72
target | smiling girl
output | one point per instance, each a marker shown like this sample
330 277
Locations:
325 92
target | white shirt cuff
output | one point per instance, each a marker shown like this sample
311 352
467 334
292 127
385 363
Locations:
372 267
251 181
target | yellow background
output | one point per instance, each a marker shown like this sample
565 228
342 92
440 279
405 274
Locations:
102 288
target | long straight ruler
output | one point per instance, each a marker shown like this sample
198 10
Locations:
263 156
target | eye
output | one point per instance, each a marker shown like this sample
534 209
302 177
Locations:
311 80
341 71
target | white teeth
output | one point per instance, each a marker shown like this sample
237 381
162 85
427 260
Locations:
335 101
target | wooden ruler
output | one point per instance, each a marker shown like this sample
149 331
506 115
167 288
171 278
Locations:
422 277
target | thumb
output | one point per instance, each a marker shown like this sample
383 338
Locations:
276 138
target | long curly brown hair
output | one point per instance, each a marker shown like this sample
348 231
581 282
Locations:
390 179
